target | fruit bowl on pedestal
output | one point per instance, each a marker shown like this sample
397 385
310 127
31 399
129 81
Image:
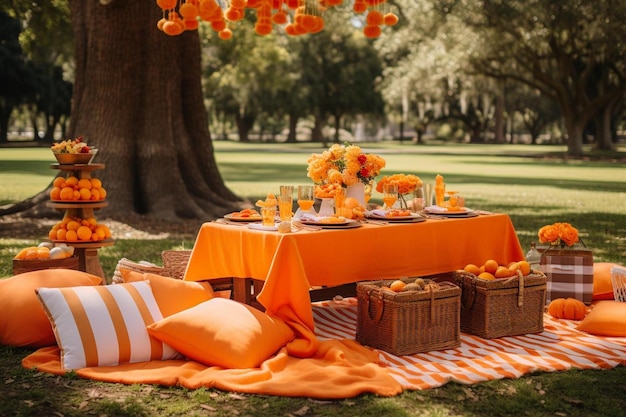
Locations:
75 158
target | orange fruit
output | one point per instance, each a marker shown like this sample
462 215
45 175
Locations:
95 183
351 202
71 236
491 266
22 254
72 225
524 267
52 234
71 181
66 193
397 285
84 183
487 276
502 272
103 193
472 269
107 231
513 268
85 194
61 234
58 182
55 193
95 194
99 232
76 195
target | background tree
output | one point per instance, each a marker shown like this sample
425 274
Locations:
16 76
138 97
573 52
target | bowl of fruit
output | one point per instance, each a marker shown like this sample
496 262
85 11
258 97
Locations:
73 151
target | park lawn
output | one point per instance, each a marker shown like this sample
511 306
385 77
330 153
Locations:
530 183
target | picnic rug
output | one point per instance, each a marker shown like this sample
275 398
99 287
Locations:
342 368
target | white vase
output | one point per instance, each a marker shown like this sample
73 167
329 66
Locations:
326 207
356 191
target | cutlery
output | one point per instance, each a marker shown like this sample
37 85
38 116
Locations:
299 225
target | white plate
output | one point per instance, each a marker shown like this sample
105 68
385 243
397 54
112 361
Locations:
412 216
242 219
323 223
348 224
259 226
444 211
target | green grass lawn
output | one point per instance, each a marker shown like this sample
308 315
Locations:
534 185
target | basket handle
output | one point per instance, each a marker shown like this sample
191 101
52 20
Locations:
468 293
520 287
378 303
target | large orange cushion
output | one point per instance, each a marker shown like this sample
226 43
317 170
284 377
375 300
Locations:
23 321
607 318
602 284
223 332
172 295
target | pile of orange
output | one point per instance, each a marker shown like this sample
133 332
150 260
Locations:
74 189
74 229
298 16
491 269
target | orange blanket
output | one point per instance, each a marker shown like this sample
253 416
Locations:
342 368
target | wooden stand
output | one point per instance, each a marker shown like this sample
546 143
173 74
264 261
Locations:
87 252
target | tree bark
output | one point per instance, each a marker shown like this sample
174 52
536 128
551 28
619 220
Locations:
138 98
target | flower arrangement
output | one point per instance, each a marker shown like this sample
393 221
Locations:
559 234
407 183
345 165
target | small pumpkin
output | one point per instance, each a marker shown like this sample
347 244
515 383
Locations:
567 308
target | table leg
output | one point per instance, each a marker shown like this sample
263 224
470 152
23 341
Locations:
88 261
241 290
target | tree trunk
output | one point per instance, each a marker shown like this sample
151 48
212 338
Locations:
604 134
499 117
137 97
293 125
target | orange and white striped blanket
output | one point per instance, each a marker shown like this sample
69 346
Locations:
342 368
559 347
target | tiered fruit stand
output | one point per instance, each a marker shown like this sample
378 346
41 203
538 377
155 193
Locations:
87 252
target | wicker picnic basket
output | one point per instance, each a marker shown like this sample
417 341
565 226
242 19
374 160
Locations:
406 323
502 307
143 267
175 262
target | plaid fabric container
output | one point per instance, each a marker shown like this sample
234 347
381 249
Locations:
569 273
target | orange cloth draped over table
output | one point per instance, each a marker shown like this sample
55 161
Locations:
291 263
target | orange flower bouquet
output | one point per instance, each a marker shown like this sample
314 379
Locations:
344 165
407 183
559 234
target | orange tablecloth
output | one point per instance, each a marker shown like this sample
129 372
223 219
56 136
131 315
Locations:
291 263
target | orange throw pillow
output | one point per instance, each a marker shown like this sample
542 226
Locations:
602 284
23 321
171 294
607 318
225 333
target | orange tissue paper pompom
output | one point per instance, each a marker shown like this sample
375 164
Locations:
372 31
390 19
374 18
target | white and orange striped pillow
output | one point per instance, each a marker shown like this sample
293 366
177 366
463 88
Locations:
104 325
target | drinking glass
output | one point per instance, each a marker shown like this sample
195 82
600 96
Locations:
390 195
340 199
269 215
306 197
285 202
428 195
418 199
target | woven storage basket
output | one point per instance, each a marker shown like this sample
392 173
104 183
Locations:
21 266
618 279
175 262
134 266
502 307
410 322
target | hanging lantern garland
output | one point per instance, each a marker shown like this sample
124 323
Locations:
298 17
